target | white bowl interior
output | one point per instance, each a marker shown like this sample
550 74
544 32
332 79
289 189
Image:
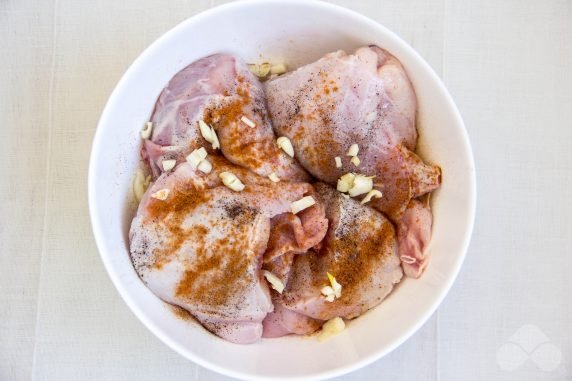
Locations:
295 32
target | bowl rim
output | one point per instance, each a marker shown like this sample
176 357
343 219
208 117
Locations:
100 239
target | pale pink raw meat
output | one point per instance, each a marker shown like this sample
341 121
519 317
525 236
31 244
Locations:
220 90
413 235
359 250
201 248
364 99
293 234
282 322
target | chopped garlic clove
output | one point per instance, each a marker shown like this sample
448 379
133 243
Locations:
273 177
140 185
338 161
265 69
362 184
209 134
168 164
327 291
355 161
278 69
374 193
247 121
205 130
346 182
196 157
161 194
301 204
260 70
230 180
353 151
330 298
331 327
274 281
205 166
336 287
147 130
286 145
215 142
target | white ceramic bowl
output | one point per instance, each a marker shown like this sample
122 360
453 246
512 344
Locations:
295 32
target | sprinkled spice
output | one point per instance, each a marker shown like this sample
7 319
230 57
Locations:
219 273
245 145
357 243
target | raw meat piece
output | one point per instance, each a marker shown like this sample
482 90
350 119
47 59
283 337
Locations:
359 250
282 322
293 234
365 99
201 248
220 90
413 235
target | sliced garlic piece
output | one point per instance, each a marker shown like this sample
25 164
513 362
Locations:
215 142
230 180
330 298
168 164
327 291
205 130
274 281
205 166
209 134
278 69
247 121
338 161
331 327
260 70
362 184
374 193
140 185
355 161
346 182
301 204
196 157
353 151
273 177
161 194
336 287
147 130
286 145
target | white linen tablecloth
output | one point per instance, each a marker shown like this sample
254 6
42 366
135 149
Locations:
508 64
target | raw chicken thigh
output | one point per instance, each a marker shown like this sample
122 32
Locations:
220 90
201 247
364 99
359 250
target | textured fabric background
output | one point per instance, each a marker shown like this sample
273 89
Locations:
508 64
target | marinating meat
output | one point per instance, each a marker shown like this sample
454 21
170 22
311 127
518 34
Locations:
364 99
221 91
255 240
201 247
